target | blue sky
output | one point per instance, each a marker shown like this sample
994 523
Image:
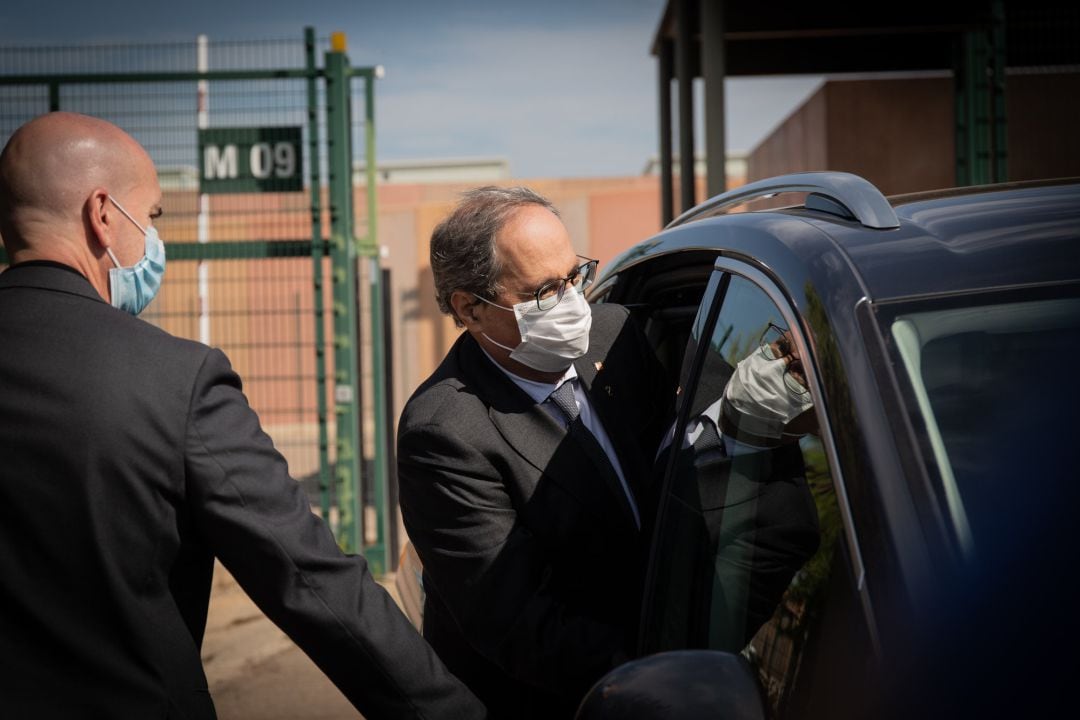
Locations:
561 88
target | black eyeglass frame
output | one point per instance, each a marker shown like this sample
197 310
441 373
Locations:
551 293
794 386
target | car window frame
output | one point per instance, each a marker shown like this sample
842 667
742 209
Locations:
715 294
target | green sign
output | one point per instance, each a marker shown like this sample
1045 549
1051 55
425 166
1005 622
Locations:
242 160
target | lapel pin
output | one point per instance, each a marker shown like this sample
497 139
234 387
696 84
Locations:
607 389
599 365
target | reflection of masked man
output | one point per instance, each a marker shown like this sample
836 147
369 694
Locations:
756 508
767 403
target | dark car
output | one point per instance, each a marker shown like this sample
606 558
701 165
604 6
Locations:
868 495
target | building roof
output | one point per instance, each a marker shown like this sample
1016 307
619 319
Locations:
790 38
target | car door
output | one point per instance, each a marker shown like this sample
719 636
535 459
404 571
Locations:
750 551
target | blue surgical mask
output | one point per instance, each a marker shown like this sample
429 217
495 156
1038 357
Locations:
132 288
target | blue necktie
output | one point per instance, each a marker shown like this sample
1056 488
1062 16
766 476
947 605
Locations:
708 446
563 397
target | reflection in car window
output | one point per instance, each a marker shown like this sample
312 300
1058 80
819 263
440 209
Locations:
749 529
994 401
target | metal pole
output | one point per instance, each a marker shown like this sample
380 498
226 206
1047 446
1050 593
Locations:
999 152
713 70
393 541
203 221
684 53
376 551
343 261
315 175
667 189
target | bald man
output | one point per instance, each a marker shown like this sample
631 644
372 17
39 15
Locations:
130 458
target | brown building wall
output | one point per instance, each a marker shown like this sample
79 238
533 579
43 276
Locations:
899 133
1043 116
798 144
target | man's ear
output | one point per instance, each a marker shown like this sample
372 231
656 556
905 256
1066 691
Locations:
98 218
465 306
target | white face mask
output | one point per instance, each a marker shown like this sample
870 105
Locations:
759 395
550 339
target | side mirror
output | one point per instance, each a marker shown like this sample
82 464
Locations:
684 684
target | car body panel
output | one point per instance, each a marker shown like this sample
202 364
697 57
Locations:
836 279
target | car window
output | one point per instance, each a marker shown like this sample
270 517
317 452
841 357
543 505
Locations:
989 393
748 533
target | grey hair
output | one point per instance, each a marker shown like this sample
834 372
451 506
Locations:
464 255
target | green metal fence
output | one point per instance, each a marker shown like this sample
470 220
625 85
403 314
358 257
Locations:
264 260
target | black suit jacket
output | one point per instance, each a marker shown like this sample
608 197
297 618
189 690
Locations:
129 459
738 530
532 561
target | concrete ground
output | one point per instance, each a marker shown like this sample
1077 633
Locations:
255 672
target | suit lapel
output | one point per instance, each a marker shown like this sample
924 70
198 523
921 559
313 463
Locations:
525 426
609 394
584 472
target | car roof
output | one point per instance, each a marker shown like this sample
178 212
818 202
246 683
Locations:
947 241
971 239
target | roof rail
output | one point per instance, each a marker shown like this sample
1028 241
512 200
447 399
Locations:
859 196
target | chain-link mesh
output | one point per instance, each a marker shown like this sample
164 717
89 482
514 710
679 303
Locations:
254 299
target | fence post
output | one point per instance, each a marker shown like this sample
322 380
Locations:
979 88
376 550
317 271
343 259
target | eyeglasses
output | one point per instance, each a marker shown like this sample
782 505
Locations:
778 337
551 293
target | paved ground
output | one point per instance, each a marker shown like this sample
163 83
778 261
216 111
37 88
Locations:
255 672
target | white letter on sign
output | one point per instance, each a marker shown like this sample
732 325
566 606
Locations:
261 161
218 163
284 160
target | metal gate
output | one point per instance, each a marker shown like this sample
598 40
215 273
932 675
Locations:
254 146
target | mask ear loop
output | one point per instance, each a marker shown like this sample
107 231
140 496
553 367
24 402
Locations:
126 214
492 304
134 222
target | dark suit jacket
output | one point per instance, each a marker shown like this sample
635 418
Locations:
129 459
532 562
738 531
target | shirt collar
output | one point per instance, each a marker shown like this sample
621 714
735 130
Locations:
538 391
